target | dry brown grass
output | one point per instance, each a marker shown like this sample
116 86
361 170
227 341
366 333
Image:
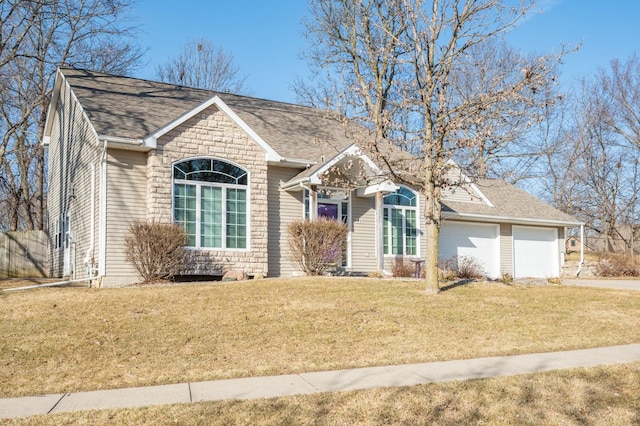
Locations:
597 396
77 339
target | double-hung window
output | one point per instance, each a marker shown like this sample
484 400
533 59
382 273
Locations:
210 202
400 230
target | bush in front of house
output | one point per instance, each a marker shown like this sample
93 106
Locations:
156 249
316 246
463 267
403 269
469 268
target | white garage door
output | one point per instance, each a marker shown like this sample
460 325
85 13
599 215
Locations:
458 239
535 252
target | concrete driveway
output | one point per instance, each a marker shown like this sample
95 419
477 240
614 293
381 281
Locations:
603 283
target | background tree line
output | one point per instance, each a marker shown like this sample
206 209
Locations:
36 36
591 151
437 78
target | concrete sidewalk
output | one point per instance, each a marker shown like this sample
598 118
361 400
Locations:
309 383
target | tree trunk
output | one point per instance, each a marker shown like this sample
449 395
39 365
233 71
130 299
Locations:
431 264
40 173
432 216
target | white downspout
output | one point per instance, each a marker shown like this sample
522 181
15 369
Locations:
89 260
581 250
102 229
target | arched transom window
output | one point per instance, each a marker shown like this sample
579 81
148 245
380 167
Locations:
400 230
210 202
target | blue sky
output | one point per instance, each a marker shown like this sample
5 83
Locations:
265 36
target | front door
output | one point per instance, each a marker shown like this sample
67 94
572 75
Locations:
336 211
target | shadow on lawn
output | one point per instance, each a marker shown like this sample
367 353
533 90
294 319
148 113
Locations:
458 283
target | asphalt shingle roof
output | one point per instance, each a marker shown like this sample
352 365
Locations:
125 107
508 201
131 108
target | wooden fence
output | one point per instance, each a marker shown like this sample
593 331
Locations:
24 254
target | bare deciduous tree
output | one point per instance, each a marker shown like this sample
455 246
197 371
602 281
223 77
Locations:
202 65
622 84
36 37
413 72
594 169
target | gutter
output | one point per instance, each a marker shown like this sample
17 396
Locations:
298 161
126 143
304 183
507 219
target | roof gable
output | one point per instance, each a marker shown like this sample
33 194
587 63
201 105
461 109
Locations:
508 204
127 108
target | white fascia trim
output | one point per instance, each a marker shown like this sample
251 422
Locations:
472 185
151 140
125 143
60 79
505 219
298 162
351 150
55 96
480 193
314 178
386 186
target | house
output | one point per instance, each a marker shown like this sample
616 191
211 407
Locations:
235 171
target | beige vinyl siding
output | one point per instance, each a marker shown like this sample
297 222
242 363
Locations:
459 191
506 249
363 235
72 149
126 202
283 208
459 194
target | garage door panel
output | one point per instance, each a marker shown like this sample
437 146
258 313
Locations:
535 252
479 241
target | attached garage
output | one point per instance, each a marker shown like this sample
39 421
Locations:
535 252
480 241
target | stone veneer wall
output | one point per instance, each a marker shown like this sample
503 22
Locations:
212 134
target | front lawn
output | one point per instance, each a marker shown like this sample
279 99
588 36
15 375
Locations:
77 339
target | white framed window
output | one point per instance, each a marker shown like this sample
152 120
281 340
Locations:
60 229
400 223
210 201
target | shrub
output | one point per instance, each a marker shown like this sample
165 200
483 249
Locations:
316 245
446 269
403 269
468 267
463 267
156 249
507 278
617 266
